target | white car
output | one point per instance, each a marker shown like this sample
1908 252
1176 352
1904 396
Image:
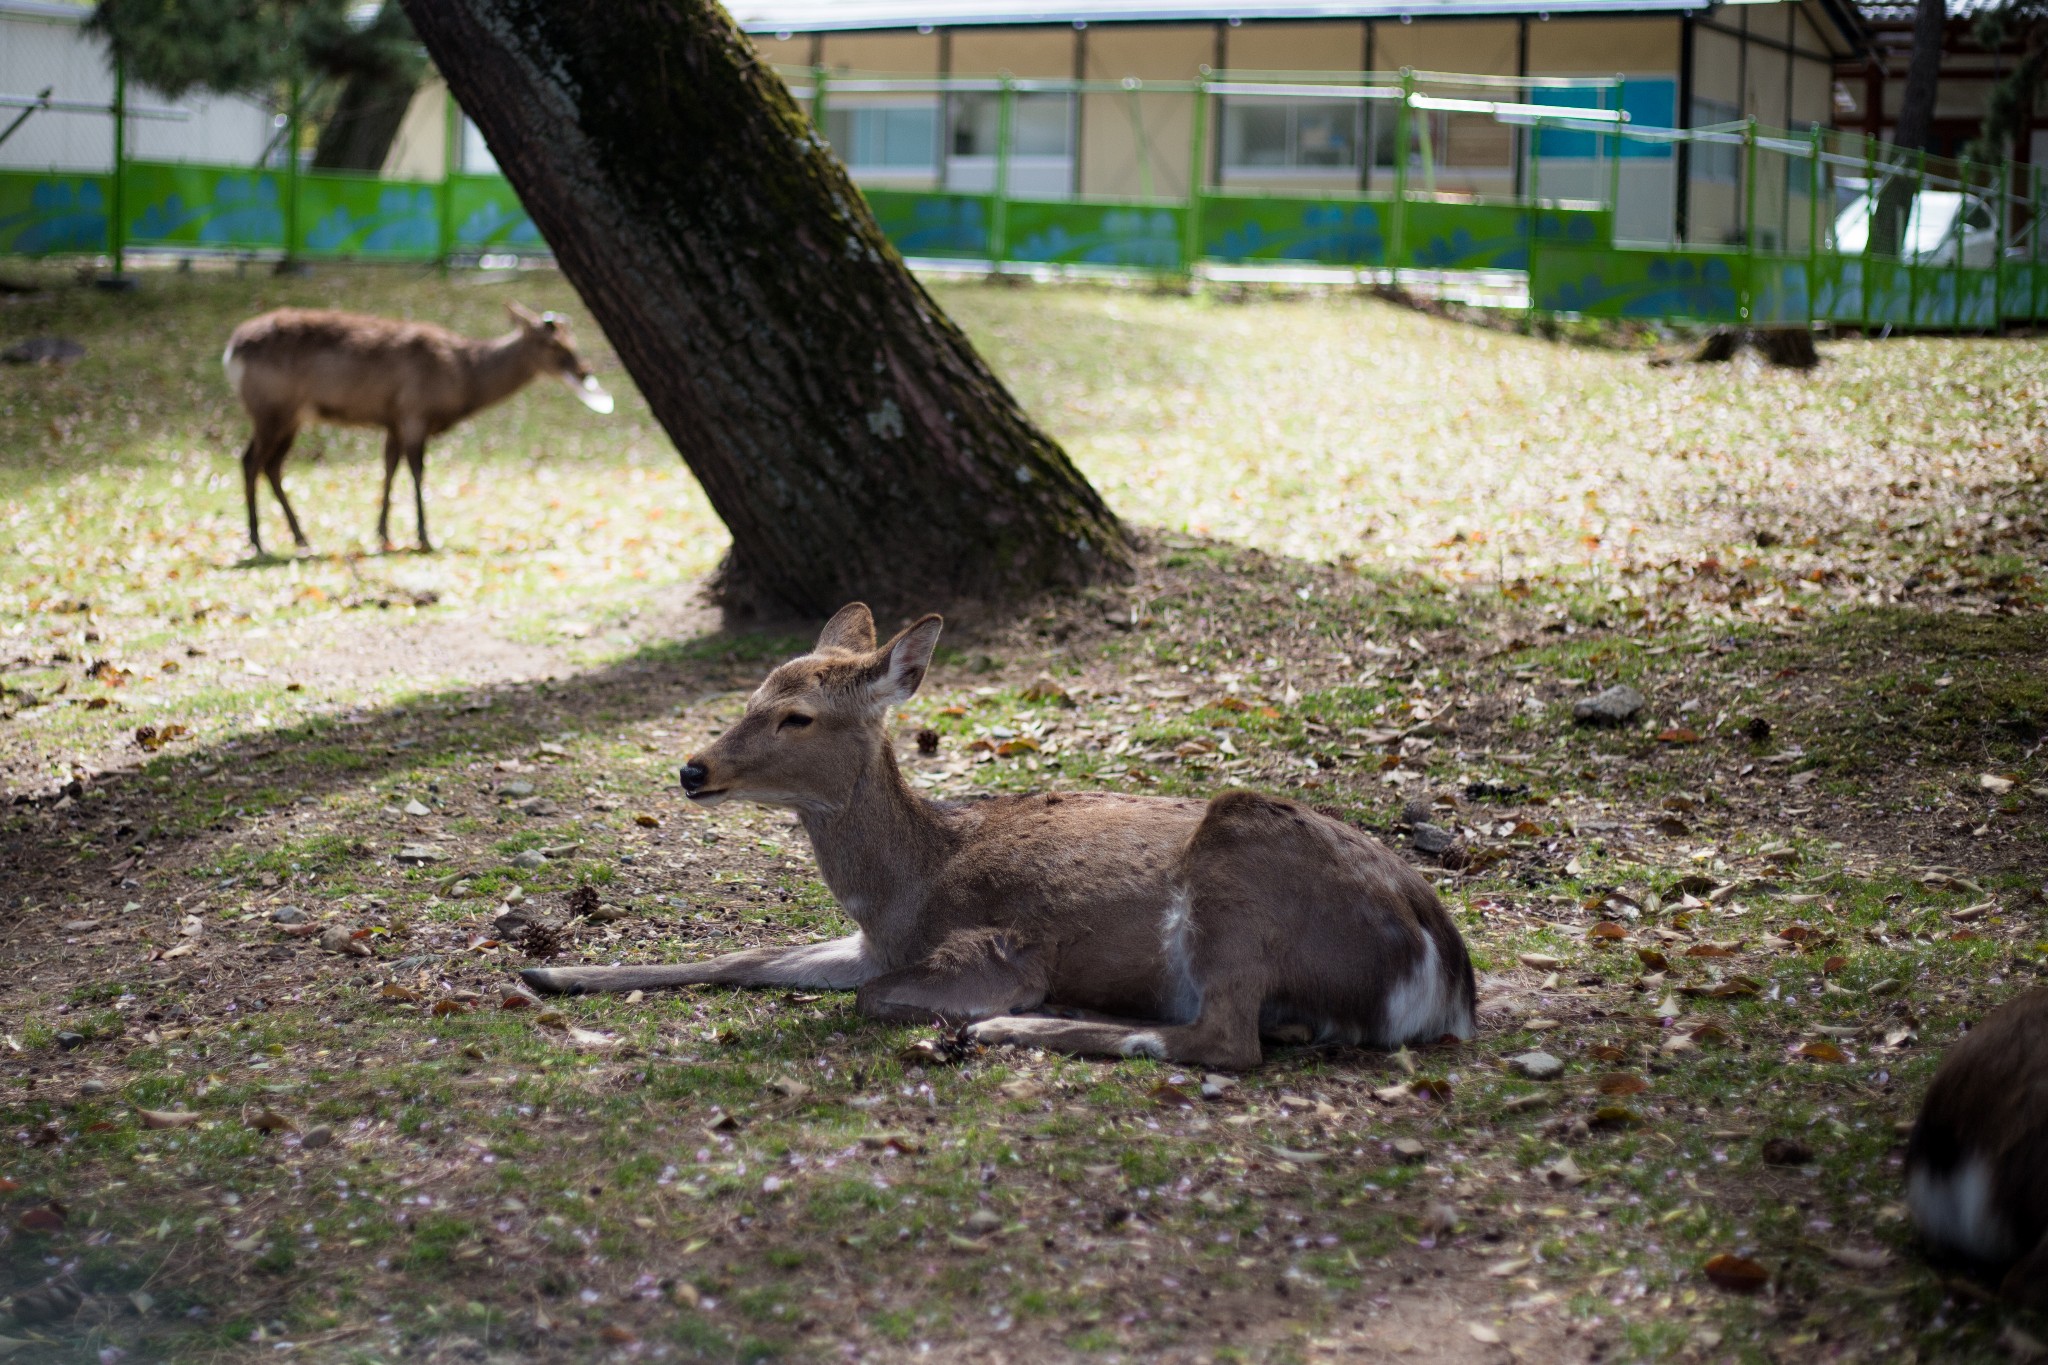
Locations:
1930 237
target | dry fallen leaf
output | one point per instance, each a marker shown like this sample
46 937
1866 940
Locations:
1738 1274
167 1118
1542 962
1823 1052
1621 1083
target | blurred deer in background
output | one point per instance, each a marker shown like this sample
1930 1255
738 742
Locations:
1083 922
1977 1162
413 379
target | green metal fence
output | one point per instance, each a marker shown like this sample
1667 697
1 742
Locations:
1576 197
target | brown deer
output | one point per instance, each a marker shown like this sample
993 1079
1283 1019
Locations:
413 379
1977 1162
1090 923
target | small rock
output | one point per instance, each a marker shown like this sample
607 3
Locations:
535 805
93 1087
1215 1086
68 1040
78 926
515 790
1440 1221
511 924
530 859
1616 706
1434 840
413 807
560 850
320 1135
1409 1150
417 854
983 1221
1537 1066
514 896
288 914
340 940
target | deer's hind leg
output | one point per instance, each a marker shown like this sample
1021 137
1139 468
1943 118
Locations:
273 471
252 466
394 450
416 460
972 975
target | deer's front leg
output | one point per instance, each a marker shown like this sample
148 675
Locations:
841 965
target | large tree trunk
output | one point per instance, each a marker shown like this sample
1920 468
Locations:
844 428
366 118
1915 129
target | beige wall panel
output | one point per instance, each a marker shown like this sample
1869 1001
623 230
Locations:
1480 47
1813 93
1578 47
1295 47
420 150
1151 52
1765 98
1716 67
894 54
1045 53
795 50
1114 127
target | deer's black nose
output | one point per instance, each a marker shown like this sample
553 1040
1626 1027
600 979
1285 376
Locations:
694 777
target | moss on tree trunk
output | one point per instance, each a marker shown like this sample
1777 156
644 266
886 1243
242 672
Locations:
843 427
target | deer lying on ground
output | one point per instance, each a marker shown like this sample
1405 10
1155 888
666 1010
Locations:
413 379
1089 923
1977 1162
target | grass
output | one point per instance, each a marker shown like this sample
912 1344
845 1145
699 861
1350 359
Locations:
1388 555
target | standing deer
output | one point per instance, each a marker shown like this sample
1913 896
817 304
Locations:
1977 1162
1088 923
413 379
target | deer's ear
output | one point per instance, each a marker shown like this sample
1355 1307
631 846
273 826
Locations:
523 315
851 628
901 664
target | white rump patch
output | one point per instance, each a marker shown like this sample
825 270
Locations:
1955 1210
233 364
1424 1007
1177 945
1143 1045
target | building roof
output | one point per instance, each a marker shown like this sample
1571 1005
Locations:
813 16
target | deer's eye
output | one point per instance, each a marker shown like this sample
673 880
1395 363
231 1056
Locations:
794 721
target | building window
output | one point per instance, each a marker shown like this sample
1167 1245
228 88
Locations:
1267 136
1718 163
895 136
1041 159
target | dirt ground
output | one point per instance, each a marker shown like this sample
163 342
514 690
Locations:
270 1078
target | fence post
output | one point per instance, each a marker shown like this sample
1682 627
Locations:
1536 206
1869 219
117 211
1962 213
999 233
1748 215
291 171
1398 241
1614 148
1908 252
1192 248
1814 179
2002 198
451 152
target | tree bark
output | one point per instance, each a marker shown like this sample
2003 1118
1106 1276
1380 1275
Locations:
843 427
1914 131
366 118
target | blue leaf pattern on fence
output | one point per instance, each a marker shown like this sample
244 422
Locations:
62 214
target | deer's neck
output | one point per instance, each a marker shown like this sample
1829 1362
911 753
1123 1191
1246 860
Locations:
498 368
879 851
